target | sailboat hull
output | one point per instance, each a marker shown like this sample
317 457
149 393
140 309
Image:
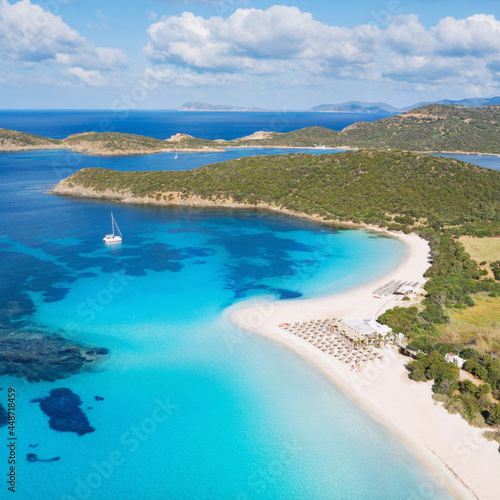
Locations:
111 239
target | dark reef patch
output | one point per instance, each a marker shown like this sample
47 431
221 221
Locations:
286 294
63 408
3 416
36 356
31 457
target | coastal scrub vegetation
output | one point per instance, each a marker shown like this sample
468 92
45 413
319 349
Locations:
114 141
12 139
476 400
390 189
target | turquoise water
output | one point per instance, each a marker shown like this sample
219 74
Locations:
193 408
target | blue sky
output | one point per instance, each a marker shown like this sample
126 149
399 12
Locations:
157 54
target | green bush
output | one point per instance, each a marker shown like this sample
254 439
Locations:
440 398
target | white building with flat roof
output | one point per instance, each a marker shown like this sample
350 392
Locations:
368 327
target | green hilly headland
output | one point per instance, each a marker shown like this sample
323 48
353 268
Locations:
116 143
431 128
364 186
10 140
104 143
308 137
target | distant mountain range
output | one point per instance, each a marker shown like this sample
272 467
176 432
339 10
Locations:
382 107
350 106
474 102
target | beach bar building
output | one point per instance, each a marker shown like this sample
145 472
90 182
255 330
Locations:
369 327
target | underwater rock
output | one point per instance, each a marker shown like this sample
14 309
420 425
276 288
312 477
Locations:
99 351
63 408
3 416
37 356
98 398
31 457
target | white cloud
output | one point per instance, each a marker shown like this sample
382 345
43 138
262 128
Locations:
285 40
250 37
29 33
453 51
189 79
477 35
406 35
92 78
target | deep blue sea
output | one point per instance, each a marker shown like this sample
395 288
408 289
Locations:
191 407
165 123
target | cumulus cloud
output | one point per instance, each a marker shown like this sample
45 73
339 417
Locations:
189 78
286 40
455 50
250 38
31 34
477 35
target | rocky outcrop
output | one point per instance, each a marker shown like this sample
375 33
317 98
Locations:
62 406
36 356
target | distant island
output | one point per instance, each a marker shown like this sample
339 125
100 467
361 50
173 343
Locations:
431 128
356 107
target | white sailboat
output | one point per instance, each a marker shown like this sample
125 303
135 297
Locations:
176 156
110 239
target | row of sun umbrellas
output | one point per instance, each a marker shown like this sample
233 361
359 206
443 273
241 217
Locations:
327 335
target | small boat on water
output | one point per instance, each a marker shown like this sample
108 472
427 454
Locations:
176 156
113 238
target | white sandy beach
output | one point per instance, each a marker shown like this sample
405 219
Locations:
456 454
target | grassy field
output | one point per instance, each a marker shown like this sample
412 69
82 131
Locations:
481 322
482 249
